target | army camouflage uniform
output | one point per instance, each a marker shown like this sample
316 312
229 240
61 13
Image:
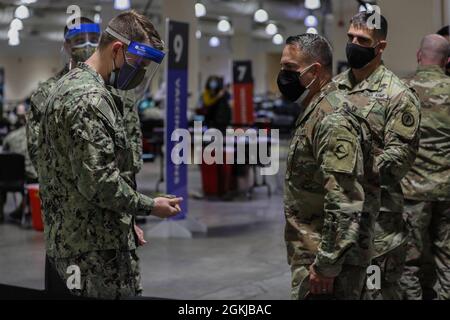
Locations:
427 190
393 112
34 114
331 196
87 194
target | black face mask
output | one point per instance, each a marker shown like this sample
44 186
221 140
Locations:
127 77
290 86
359 56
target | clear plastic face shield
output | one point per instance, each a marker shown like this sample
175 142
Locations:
141 61
83 41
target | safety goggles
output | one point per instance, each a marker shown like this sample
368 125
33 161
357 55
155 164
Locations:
86 34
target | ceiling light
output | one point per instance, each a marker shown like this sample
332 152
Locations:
22 12
224 25
214 42
16 24
311 21
14 41
122 4
312 30
198 34
97 18
277 39
312 4
261 16
200 10
271 29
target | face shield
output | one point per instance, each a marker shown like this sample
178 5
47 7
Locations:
83 41
141 61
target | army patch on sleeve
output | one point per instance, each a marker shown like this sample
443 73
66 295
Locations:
341 154
408 119
406 124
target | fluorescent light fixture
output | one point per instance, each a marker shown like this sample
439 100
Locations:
312 4
224 25
312 30
22 12
261 16
311 21
200 10
271 29
122 4
277 39
214 42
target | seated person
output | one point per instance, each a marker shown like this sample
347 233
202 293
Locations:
16 142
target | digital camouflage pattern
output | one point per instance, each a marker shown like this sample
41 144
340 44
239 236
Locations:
88 200
131 119
107 274
428 253
132 126
393 111
427 191
347 285
34 114
331 189
16 141
429 178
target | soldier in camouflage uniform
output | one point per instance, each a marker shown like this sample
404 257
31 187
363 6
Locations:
332 185
393 113
427 185
87 193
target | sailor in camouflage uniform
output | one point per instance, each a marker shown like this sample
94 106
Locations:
394 116
79 45
332 185
84 160
427 184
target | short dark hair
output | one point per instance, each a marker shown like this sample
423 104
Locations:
443 31
133 26
316 47
360 20
82 21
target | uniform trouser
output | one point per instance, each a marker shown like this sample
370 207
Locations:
107 274
348 284
428 256
391 265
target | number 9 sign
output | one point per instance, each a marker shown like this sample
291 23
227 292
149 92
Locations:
178 44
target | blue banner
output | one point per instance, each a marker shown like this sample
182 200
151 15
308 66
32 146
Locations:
176 109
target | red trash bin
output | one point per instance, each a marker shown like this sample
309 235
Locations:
35 206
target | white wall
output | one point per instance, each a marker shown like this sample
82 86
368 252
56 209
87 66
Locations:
22 74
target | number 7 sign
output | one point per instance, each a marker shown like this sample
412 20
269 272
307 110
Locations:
243 93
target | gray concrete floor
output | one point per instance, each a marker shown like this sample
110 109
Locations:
242 255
